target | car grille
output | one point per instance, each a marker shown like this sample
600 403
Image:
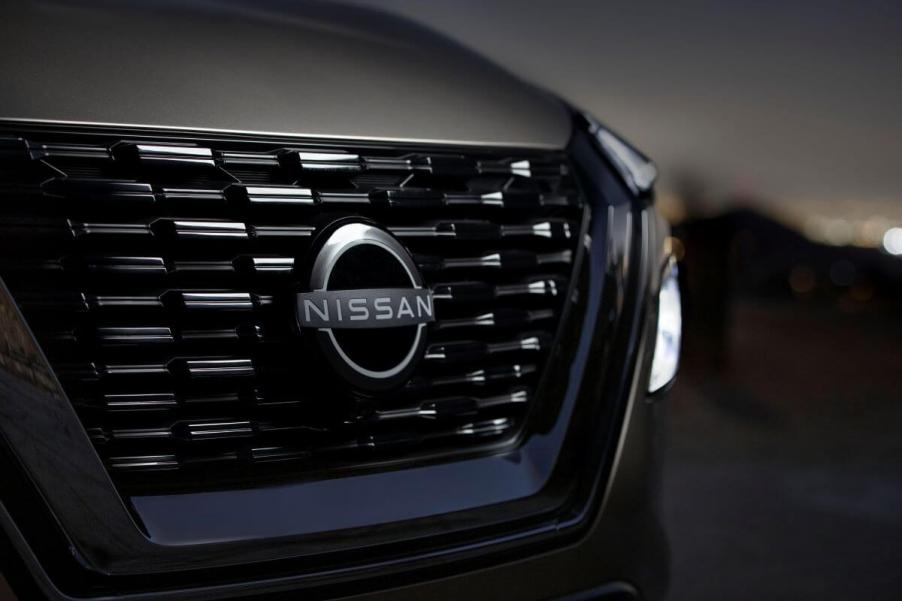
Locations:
158 275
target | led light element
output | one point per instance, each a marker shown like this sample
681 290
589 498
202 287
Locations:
670 328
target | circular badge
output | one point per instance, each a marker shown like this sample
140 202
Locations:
368 306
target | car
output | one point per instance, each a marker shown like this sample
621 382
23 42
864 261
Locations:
307 301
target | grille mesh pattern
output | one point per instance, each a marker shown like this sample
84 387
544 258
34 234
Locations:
158 276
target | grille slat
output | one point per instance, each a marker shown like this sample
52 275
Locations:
215 230
159 277
475 350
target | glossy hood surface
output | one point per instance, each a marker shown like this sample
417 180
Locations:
294 68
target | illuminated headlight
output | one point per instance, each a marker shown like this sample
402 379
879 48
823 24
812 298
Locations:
670 328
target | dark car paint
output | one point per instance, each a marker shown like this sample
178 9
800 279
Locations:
283 68
609 533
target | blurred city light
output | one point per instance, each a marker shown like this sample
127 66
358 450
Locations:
892 241
802 279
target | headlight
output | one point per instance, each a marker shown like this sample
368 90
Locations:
670 328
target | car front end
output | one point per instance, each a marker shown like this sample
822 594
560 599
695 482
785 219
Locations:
307 300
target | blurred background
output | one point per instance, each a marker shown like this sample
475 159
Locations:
777 127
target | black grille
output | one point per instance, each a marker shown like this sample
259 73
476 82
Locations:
158 276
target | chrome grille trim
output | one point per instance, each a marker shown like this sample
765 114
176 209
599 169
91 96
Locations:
157 272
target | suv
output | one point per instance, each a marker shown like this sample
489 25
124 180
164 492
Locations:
309 301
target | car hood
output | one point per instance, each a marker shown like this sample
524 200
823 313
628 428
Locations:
304 68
